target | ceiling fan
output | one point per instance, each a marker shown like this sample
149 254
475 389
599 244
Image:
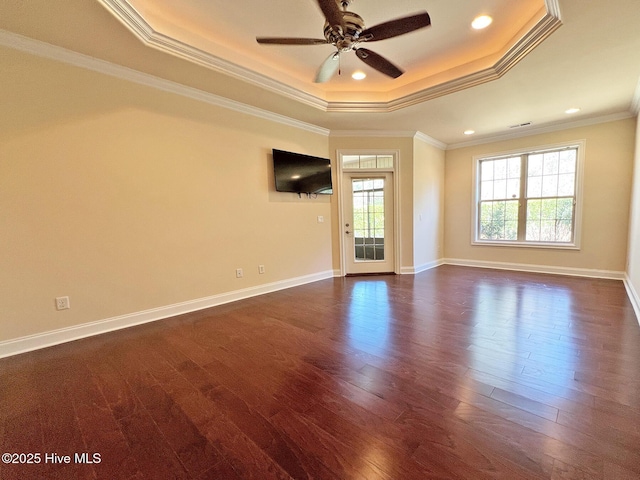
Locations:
346 31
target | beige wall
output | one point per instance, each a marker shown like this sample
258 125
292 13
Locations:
125 198
428 204
607 189
633 267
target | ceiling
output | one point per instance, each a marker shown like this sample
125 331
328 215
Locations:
535 61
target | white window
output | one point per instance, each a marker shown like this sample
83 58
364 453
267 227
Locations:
529 198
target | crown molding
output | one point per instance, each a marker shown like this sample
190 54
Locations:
553 8
59 54
423 137
134 21
534 37
543 129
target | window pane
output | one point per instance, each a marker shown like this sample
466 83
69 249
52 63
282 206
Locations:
548 209
550 163
500 189
486 190
550 186
549 220
563 230
486 170
564 208
547 230
486 211
567 161
566 184
534 187
511 211
486 231
500 179
513 188
514 167
367 161
533 231
351 161
535 165
511 230
499 220
385 161
534 209
500 169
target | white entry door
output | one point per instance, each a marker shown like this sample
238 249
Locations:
368 223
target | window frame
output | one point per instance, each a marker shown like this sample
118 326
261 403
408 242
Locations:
580 145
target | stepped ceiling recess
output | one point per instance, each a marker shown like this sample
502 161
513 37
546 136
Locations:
536 60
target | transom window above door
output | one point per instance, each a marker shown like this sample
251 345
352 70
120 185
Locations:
367 162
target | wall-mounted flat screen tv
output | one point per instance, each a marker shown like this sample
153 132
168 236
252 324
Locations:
298 173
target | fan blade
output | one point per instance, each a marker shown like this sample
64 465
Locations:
378 62
396 27
328 68
290 41
332 13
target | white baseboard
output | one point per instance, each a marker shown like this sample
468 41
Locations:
526 267
421 268
633 296
63 335
68 334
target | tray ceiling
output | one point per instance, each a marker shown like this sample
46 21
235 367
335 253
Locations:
446 57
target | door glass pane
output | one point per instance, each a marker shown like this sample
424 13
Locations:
368 219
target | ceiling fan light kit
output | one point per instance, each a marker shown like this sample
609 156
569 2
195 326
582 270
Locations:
346 30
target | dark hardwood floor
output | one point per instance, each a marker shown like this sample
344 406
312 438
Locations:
452 373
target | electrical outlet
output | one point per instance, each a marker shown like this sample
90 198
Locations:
62 303
320 219
239 273
260 269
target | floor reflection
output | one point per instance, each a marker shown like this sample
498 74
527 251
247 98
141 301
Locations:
525 330
369 317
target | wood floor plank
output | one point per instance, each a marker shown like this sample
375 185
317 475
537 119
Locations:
453 373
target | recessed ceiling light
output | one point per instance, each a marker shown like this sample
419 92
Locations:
359 75
469 132
572 110
483 21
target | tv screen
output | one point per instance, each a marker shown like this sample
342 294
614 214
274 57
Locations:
298 173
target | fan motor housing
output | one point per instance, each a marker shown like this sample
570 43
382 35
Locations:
354 25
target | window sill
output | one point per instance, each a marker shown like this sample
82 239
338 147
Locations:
553 246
